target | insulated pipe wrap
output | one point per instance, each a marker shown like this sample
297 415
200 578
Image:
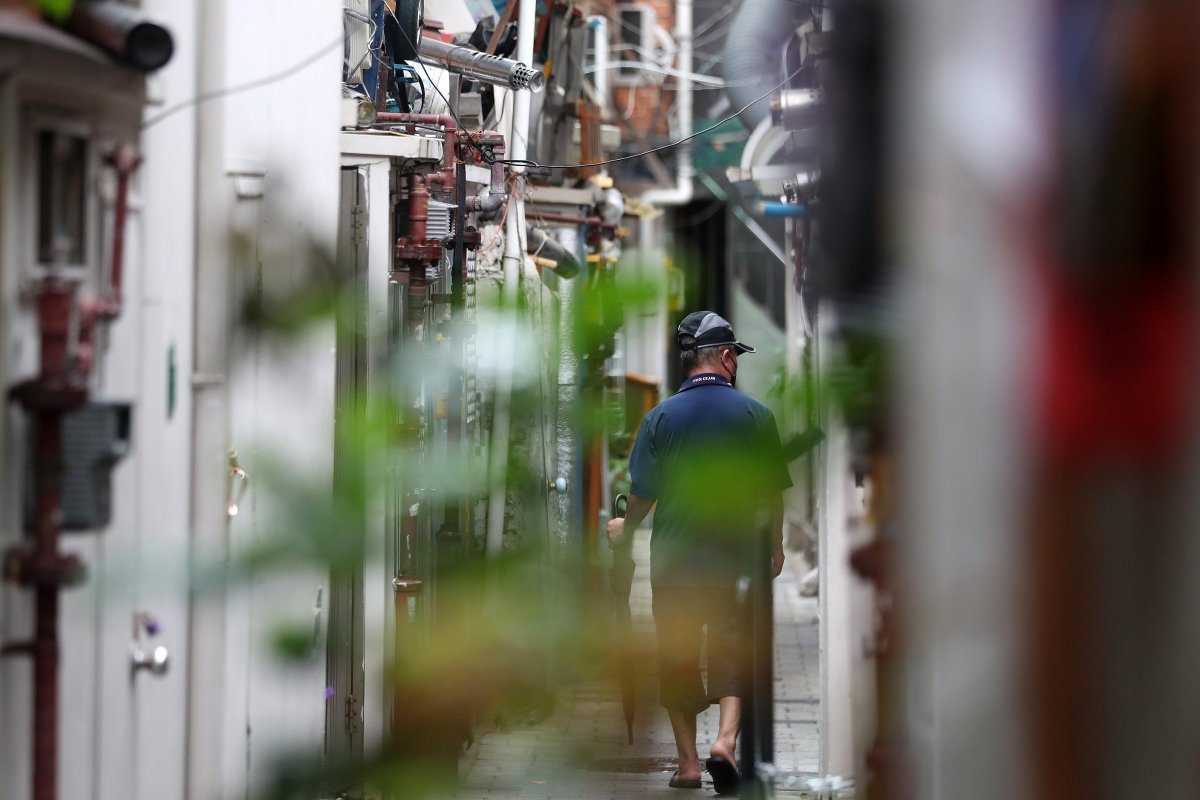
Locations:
752 51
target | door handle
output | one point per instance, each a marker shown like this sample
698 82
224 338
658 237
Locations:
155 662
234 494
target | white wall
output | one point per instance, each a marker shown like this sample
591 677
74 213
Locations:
102 752
846 601
969 150
281 397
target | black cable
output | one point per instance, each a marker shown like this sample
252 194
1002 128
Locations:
488 158
217 94
417 77
660 148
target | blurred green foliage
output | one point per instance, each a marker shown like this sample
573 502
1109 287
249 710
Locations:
56 9
505 629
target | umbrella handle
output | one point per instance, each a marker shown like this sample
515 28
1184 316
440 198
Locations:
620 505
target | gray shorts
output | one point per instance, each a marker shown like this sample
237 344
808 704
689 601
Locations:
687 617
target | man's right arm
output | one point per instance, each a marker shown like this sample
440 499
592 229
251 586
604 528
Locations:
643 473
634 515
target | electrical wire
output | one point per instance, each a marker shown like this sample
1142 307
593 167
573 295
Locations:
500 225
373 28
217 94
703 27
695 77
417 76
660 148
257 83
488 158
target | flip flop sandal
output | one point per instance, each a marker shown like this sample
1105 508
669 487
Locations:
676 783
724 775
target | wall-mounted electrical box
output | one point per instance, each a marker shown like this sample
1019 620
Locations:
95 439
634 41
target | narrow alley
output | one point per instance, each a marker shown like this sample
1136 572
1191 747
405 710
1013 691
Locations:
348 350
580 752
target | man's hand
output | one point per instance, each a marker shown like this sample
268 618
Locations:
776 562
616 531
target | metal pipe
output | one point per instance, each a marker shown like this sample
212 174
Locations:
782 209
513 257
107 307
456 509
795 109
599 24
496 195
539 243
418 208
125 160
682 192
208 499
445 178
124 32
591 222
54 312
46 651
481 66
56 390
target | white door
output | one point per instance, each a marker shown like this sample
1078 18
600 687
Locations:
282 423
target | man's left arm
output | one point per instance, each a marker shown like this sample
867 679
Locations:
780 480
777 527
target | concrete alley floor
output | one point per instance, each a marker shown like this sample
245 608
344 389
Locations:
580 751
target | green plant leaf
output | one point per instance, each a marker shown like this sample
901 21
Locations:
56 9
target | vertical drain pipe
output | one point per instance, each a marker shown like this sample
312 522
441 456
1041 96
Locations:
681 193
514 257
650 233
208 513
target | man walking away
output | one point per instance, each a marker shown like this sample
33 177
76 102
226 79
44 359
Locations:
710 458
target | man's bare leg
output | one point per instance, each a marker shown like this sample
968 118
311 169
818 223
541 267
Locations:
727 732
684 727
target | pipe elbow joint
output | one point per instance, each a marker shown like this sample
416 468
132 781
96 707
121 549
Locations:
487 204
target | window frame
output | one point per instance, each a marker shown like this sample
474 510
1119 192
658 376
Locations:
35 122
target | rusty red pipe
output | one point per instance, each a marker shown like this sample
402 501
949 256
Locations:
445 178
496 195
56 390
45 643
591 222
59 387
418 208
124 162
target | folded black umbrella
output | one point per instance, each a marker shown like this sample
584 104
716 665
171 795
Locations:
620 581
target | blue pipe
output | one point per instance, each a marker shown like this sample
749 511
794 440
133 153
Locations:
783 209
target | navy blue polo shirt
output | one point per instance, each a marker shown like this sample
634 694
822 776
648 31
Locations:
710 457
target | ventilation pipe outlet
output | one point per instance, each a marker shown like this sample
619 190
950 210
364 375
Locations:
124 32
541 245
471 63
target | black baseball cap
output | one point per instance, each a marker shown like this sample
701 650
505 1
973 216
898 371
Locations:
709 329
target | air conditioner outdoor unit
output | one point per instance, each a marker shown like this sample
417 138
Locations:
633 41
